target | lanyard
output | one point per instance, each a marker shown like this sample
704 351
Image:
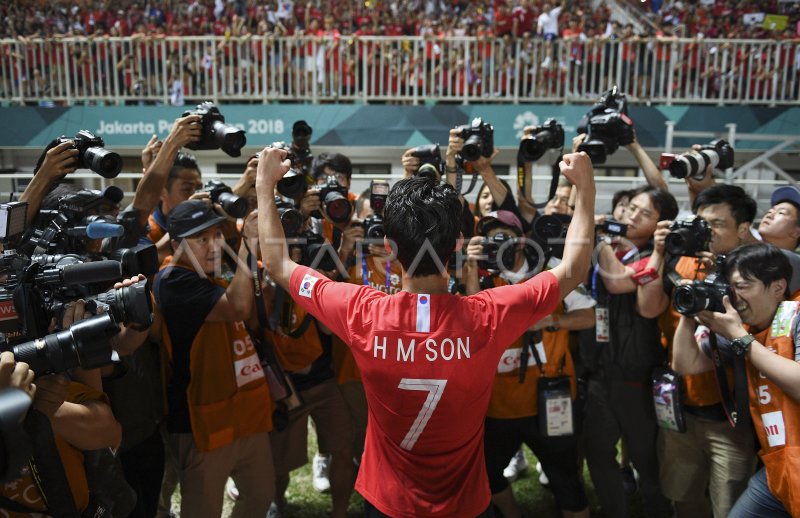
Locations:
365 272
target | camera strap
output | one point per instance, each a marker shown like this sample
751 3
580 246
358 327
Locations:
522 181
47 468
737 405
554 395
460 181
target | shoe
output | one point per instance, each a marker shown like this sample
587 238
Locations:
628 480
321 467
517 466
231 490
275 511
543 480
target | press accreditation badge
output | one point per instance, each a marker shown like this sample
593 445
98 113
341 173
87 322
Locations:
601 324
559 414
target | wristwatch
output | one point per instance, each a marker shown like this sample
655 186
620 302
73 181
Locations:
741 345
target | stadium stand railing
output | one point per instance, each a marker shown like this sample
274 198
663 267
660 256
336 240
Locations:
397 69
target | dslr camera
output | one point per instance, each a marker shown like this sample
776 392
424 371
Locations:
334 200
607 126
315 251
688 237
373 225
431 164
500 251
215 133
233 205
291 219
549 135
718 154
705 295
478 140
296 180
93 155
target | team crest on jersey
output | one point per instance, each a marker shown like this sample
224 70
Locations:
307 286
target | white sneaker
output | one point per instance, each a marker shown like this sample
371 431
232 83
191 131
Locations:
517 466
543 480
232 490
321 468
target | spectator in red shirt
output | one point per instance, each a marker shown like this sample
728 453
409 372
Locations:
426 357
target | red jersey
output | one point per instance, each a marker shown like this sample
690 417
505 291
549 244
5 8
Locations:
427 363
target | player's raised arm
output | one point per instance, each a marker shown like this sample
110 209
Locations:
272 165
577 168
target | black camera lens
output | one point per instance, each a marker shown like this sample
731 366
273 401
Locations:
472 149
291 220
293 184
233 205
130 304
596 149
85 344
107 164
338 207
690 299
301 131
228 138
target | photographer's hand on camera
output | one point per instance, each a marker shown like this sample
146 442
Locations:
309 203
728 325
454 145
351 236
474 253
577 141
59 161
411 163
248 179
15 374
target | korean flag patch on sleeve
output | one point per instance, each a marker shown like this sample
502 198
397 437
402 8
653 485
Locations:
307 285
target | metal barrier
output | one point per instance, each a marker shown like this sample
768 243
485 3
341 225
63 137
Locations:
404 69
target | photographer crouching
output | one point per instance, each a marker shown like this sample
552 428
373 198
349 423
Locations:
533 373
218 402
760 325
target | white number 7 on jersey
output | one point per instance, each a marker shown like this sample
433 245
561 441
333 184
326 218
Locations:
435 388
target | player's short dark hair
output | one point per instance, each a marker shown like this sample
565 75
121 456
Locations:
421 213
760 261
743 207
336 161
182 161
662 200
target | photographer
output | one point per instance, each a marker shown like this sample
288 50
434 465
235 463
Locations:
761 327
218 413
411 346
780 226
56 161
710 456
619 400
514 416
67 419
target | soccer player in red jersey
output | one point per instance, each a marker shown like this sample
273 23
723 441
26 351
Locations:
427 358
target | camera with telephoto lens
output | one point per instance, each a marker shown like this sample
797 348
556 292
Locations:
233 205
86 344
500 252
431 164
129 305
612 227
215 134
607 126
718 154
688 237
478 139
291 219
315 251
93 155
333 197
705 295
137 259
549 135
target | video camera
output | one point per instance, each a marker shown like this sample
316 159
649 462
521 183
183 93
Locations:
705 295
93 155
718 154
478 140
612 227
549 135
607 126
688 237
431 164
215 133
233 205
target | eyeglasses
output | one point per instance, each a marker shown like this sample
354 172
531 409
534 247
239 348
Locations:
632 209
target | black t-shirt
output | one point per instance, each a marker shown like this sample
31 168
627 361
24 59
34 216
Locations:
185 300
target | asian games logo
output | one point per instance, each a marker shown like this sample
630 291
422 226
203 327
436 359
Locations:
527 118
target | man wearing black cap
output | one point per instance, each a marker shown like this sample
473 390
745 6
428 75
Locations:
218 401
781 224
